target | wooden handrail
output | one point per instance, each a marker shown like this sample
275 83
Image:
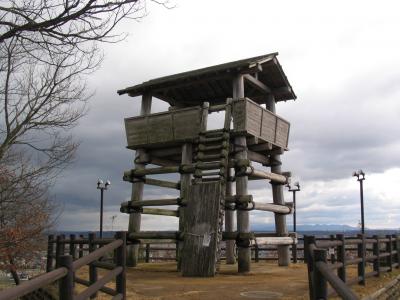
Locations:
66 272
33 284
340 287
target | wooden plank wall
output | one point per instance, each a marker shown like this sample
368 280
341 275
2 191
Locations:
202 217
251 118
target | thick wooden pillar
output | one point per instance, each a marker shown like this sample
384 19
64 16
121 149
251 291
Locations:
229 224
137 190
187 151
242 218
277 194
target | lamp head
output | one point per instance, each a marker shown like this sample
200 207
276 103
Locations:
108 183
99 182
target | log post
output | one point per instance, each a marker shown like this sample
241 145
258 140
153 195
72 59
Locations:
389 249
147 259
120 281
277 194
50 253
229 214
243 223
187 151
60 248
376 253
229 223
81 237
397 243
361 264
66 283
72 246
137 190
341 257
92 268
309 259
319 282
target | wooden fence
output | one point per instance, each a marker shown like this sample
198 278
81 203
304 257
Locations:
329 261
62 267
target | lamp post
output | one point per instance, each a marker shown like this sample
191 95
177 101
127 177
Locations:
295 188
360 178
102 187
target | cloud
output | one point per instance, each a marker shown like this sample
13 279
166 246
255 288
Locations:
342 63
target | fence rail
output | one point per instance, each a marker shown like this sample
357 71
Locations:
377 253
62 268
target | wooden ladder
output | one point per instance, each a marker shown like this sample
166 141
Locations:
212 162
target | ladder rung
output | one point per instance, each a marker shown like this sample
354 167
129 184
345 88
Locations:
202 174
210 165
209 157
203 139
204 148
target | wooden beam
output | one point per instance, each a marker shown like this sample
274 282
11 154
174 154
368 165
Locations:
257 84
242 216
257 157
137 190
279 240
275 208
160 212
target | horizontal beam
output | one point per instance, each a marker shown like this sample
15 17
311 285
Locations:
170 235
277 240
162 183
257 84
275 208
258 174
160 212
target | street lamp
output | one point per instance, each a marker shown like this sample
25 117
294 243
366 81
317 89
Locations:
102 187
360 178
295 188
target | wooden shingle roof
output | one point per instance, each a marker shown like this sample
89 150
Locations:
214 84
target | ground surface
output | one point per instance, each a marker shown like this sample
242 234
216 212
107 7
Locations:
161 281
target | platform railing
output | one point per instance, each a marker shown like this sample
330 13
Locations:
66 268
376 252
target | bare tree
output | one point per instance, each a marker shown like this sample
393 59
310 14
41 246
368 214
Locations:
25 212
47 49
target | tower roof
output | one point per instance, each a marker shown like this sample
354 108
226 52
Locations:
214 84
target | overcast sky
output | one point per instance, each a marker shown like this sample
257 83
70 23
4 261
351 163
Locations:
342 59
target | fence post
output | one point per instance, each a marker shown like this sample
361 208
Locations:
320 284
92 268
341 257
120 281
308 258
66 283
72 246
147 259
177 251
59 248
333 258
375 251
397 243
81 237
50 253
256 253
361 254
389 249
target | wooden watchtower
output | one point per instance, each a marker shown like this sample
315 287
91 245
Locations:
211 161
